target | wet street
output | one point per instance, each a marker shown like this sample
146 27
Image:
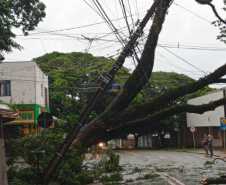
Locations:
167 167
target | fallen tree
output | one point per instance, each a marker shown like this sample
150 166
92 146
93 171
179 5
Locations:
117 113
215 180
157 108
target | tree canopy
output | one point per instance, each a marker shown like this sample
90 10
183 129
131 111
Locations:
73 78
18 14
119 118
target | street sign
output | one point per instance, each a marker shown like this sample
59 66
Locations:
223 123
209 120
45 120
193 129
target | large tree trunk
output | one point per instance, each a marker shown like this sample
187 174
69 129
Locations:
133 85
136 140
130 120
218 180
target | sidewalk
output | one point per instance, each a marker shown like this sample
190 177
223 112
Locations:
216 153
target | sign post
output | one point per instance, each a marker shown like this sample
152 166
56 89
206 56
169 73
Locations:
45 120
193 130
224 140
223 127
209 120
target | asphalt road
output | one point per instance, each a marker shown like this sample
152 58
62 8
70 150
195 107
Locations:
167 167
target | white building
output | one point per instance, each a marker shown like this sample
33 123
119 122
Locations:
208 119
23 83
26 85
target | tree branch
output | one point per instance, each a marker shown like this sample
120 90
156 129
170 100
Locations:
208 2
215 12
162 101
110 119
142 73
221 80
166 113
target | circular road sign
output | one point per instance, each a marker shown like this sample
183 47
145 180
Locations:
209 120
45 119
192 129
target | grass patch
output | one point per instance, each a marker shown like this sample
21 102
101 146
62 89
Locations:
147 177
129 180
136 170
208 163
117 176
159 169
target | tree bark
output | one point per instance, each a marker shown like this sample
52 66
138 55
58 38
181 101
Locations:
115 115
111 119
136 140
142 73
132 86
218 180
3 171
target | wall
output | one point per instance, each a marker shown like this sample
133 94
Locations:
26 79
185 137
199 120
41 81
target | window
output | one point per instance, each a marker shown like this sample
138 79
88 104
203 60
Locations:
5 88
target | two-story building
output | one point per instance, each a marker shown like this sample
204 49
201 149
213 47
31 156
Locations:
25 85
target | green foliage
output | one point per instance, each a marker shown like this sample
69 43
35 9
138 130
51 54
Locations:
12 106
159 170
147 176
113 177
16 181
73 80
136 170
111 163
222 35
208 163
18 14
129 180
69 171
160 83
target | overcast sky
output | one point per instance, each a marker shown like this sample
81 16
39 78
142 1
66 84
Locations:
182 28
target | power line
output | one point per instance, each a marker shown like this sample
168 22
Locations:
192 12
182 59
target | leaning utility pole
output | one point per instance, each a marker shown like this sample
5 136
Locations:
106 80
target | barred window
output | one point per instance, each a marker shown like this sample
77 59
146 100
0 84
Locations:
5 88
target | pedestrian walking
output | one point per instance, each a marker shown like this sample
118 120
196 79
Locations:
205 144
210 144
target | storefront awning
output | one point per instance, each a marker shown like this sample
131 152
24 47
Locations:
6 114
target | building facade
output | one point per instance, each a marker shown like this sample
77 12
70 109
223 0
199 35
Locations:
208 122
25 85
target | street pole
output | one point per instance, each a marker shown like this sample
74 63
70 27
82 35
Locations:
45 146
194 140
3 171
209 129
106 80
224 140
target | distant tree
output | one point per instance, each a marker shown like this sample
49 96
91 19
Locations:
18 14
73 78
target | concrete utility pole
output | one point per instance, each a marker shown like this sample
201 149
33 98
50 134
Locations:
3 171
106 80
